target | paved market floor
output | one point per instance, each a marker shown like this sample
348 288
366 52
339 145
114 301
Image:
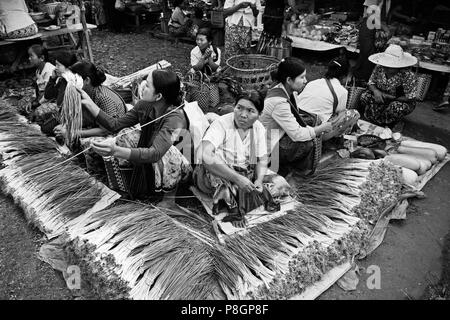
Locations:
409 258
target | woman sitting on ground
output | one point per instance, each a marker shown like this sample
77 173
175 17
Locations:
234 156
327 98
105 98
179 23
46 115
284 123
392 88
38 57
158 164
205 57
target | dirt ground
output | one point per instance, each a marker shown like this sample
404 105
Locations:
410 259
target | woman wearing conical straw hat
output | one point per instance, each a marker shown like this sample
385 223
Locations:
392 88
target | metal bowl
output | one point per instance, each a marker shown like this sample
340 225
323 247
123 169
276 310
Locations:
37 16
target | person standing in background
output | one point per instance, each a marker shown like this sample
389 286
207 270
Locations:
241 18
371 40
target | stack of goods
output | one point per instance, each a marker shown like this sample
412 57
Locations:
426 50
124 85
51 191
137 252
310 27
278 259
414 158
344 34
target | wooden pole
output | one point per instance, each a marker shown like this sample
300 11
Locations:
86 31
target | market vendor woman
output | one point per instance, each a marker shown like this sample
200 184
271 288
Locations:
234 156
392 88
158 165
282 119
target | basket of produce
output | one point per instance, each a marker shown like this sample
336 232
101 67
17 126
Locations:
50 8
252 70
371 141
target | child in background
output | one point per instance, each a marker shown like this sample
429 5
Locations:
39 58
61 75
47 114
205 57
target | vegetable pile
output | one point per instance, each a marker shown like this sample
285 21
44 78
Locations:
51 191
138 251
415 158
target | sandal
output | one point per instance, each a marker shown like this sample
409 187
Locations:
442 107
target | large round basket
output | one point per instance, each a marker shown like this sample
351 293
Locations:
252 70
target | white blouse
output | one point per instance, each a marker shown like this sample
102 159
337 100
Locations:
245 14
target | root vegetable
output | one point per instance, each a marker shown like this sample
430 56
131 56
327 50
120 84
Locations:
380 153
426 153
405 161
425 162
440 150
409 176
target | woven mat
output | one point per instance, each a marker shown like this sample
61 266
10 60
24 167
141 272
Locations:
254 217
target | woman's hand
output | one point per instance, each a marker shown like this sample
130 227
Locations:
325 128
388 97
60 131
378 95
244 5
244 184
258 185
85 98
104 148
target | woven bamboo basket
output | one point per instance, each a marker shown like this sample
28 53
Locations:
125 93
118 178
49 8
423 84
252 70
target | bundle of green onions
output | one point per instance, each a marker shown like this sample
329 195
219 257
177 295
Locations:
353 187
50 191
146 254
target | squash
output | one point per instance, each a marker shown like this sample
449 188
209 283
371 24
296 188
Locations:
409 176
426 163
440 150
405 161
426 153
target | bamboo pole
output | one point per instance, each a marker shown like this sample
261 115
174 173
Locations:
86 32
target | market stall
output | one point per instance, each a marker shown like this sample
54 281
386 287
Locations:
137 250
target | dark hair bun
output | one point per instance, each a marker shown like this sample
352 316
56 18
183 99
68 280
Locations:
100 76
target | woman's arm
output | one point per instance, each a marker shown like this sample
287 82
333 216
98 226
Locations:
109 123
283 116
51 89
261 171
200 64
214 66
94 132
229 9
219 168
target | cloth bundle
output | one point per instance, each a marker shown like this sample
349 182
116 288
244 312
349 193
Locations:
15 22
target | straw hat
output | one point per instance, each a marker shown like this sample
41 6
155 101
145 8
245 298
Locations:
393 57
